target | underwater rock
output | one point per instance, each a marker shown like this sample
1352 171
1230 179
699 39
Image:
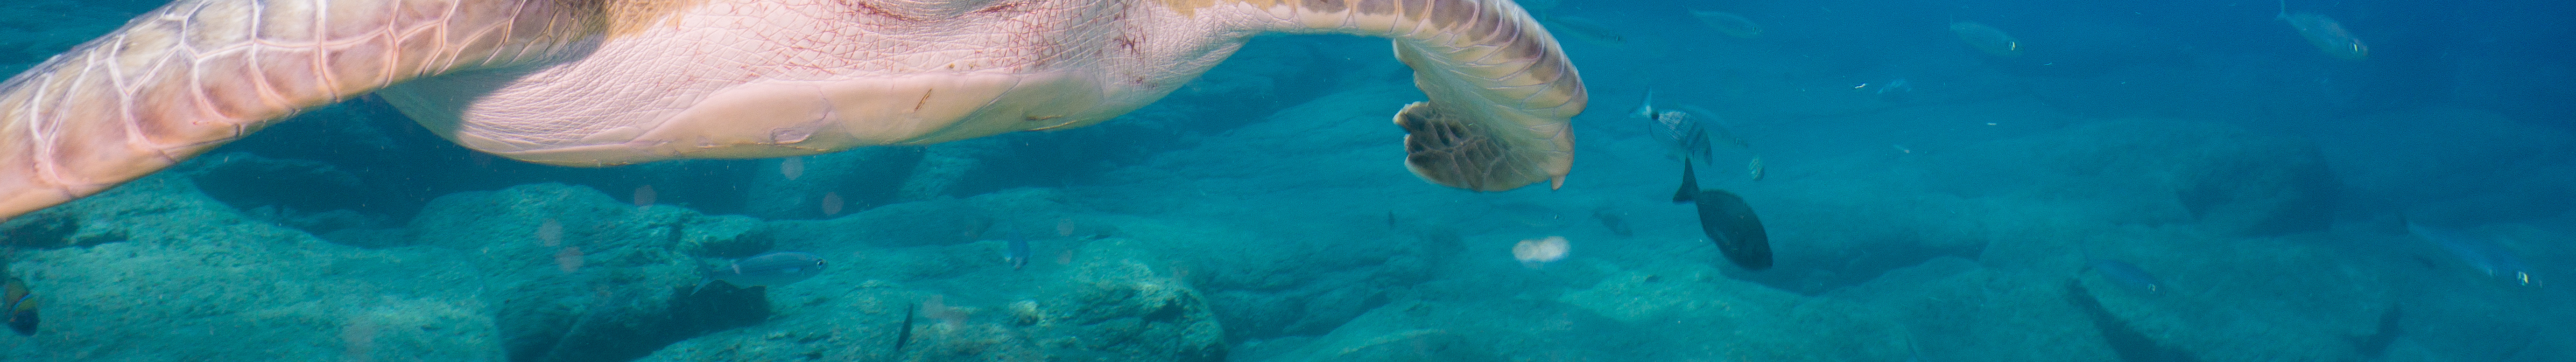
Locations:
606 287
1954 309
1111 304
2223 177
1267 283
2265 299
305 194
942 165
2218 177
1301 243
188 276
1723 318
1445 331
1675 312
47 228
1117 302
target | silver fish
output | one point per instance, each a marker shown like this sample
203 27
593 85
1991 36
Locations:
768 269
1987 39
1729 23
2324 32
2128 275
2480 252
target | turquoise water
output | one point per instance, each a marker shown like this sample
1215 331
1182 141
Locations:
1929 194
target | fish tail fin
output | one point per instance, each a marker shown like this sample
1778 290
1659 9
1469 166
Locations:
2285 9
702 285
1690 183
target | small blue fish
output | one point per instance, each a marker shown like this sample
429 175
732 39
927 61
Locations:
767 269
2128 276
1019 251
2480 252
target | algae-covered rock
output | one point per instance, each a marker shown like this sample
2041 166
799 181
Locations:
2223 177
575 275
1110 304
1954 309
168 274
1713 316
2216 176
2230 306
1663 312
1267 283
1492 330
2205 306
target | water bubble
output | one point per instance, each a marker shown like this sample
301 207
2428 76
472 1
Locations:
643 196
832 203
569 259
550 233
1537 252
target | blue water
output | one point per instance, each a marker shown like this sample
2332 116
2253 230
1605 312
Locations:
1925 200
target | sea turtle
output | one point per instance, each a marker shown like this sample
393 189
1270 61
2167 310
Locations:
612 82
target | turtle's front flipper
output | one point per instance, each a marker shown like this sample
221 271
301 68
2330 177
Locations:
1501 91
197 73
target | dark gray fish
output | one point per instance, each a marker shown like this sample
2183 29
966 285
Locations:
1019 251
1728 221
1617 225
2129 276
20 306
904 335
768 269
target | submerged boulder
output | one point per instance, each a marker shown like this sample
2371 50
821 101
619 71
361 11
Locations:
574 275
2223 177
158 271
1111 303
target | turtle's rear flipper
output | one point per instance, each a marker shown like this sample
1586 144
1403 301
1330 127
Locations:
1454 151
198 73
1500 89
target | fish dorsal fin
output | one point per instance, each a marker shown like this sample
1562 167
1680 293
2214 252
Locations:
1645 109
1690 183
